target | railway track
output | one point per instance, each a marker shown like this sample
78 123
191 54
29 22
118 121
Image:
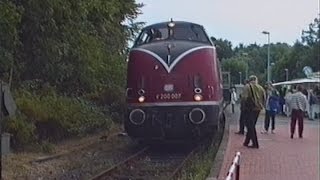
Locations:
158 162
75 149
150 163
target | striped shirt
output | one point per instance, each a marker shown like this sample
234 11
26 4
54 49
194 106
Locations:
298 101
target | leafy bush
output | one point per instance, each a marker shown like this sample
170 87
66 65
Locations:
113 101
47 147
21 130
55 117
50 48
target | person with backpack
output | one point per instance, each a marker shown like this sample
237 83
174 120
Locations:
272 105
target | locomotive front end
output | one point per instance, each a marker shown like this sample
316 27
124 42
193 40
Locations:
173 84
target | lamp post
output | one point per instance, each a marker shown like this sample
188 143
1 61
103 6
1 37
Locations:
247 61
240 73
247 70
271 69
268 62
287 75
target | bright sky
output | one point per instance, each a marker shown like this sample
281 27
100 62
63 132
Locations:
239 21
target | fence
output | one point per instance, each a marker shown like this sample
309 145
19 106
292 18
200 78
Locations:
234 170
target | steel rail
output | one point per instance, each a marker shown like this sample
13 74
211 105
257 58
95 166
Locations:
180 166
109 170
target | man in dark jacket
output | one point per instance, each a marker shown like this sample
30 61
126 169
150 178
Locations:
243 112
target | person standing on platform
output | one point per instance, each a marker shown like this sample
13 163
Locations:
312 100
272 104
287 100
316 106
243 113
233 99
254 101
282 93
298 105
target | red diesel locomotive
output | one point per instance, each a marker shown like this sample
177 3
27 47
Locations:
174 85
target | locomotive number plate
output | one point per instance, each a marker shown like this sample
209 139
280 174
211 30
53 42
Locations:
166 96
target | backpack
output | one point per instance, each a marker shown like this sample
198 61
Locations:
249 103
313 99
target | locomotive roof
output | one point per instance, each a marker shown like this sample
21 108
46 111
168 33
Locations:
177 23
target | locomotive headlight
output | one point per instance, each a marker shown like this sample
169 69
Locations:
197 97
141 99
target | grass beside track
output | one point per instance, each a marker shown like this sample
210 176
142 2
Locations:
199 167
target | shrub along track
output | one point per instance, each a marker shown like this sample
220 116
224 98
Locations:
205 161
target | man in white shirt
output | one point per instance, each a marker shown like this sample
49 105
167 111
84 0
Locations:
298 105
233 99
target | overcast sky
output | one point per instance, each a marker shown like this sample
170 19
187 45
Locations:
239 21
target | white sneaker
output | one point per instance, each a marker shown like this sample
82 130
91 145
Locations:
264 132
272 132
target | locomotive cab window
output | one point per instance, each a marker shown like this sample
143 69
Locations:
180 31
152 35
190 33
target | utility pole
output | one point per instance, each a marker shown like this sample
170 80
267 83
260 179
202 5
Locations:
268 61
287 74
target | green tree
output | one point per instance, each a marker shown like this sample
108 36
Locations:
235 65
61 50
9 41
224 48
76 46
279 54
311 37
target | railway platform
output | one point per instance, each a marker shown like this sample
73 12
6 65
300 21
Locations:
279 157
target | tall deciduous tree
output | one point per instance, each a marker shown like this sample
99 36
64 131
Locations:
311 37
9 41
75 45
235 66
224 48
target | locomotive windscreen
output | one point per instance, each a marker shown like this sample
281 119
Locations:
181 31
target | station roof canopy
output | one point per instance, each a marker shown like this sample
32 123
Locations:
298 81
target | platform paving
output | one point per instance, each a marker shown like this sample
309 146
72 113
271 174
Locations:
279 157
